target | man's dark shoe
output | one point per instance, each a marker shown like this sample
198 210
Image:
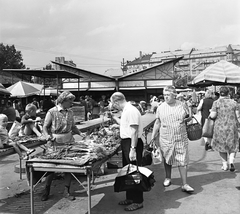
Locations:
206 146
46 194
232 168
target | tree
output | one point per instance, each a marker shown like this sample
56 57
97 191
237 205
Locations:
10 58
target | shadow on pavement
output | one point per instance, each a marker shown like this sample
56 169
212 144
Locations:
160 199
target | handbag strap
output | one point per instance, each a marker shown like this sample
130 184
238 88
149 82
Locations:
195 119
132 164
152 142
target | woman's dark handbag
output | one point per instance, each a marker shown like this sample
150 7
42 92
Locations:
147 156
208 126
138 178
194 130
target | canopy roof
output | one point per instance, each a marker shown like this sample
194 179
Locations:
46 73
85 75
3 90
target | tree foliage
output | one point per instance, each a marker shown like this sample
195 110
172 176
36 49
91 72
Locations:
10 58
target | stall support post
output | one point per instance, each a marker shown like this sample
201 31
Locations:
20 167
88 170
31 189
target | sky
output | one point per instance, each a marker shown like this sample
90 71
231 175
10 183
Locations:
97 35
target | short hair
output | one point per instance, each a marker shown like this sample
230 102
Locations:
224 91
30 107
9 103
209 93
65 96
117 96
3 116
171 89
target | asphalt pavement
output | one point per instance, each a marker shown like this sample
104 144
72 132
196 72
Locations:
216 191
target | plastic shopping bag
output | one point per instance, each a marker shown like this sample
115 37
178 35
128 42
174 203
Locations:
156 156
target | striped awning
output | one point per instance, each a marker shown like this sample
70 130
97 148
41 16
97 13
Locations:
220 72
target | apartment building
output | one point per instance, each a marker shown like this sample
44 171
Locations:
193 61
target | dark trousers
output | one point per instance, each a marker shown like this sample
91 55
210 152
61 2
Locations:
135 195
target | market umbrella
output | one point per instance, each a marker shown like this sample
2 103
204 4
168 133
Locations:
23 89
49 91
3 90
220 73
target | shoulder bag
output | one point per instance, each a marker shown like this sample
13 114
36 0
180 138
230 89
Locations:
208 127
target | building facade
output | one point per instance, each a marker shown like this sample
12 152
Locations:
192 63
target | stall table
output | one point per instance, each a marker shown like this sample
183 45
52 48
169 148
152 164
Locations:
69 166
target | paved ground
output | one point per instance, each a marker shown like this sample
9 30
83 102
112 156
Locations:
216 191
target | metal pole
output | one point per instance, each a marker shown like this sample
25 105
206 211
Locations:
89 189
31 190
20 167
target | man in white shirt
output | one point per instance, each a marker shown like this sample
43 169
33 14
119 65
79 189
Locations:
132 146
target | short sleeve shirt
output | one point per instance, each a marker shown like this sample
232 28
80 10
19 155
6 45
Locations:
130 116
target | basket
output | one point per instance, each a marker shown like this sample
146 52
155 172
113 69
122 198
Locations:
194 130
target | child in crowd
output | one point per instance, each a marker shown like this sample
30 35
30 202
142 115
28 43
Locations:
30 122
6 142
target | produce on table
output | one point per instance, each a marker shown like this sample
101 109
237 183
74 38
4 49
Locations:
99 144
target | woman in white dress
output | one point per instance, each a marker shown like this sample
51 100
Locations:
171 118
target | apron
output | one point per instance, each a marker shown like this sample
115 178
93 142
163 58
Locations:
62 141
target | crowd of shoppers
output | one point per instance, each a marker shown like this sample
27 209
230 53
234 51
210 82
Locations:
173 112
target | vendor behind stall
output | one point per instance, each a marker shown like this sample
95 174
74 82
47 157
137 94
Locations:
58 128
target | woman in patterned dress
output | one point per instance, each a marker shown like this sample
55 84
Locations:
225 134
171 118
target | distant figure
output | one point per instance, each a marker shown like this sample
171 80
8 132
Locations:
36 103
154 104
216 95
204 107
10 112
102 104
142 107
84 104
47 104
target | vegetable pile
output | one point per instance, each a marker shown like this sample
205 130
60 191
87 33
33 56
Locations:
99 144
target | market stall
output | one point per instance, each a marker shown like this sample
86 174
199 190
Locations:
28 141
82 157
